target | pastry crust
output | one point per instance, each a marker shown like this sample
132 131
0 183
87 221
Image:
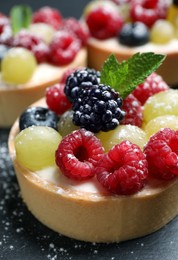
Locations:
98 52
95 216
15 99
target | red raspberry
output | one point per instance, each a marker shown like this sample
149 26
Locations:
6 36
123 170
152 85
148 11
56 99
64 48
78 153
104 23
33 43
75 27
133 111
48 15
162 154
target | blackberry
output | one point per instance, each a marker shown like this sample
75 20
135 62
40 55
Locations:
97 108
81 78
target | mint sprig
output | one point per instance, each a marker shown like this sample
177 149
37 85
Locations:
124 77
20 16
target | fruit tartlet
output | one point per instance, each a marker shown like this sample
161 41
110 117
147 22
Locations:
125 27
36 48
96 159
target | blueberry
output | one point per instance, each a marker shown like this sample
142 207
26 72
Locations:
3 50
39 116
134 34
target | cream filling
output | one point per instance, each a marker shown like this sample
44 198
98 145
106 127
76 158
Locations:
113 45
54 176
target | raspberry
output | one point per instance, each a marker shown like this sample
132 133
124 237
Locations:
152 85
123 170
56 99
75 27
97 108
133 111
63 48
78 79
147 11
162 154
104 23
48 15
33 43
78 153
6 36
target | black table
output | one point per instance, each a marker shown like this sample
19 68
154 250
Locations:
23 237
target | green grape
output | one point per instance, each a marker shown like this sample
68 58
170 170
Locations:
66 126
35 147
18 66
162 103
42 30
95 4
162 32
166 121
123 132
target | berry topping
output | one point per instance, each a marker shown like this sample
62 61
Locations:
80 78
104 23
78 153
56 99
66 74
75 27
123 170
33 43
133 111
148 11
63 48
162 154
38 116
134 34
97 108
48 15
6 36
152 85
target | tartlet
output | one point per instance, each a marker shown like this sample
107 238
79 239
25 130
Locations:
14 99
86 211
101 46
45 34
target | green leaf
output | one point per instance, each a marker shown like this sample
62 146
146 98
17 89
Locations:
124 77
20 17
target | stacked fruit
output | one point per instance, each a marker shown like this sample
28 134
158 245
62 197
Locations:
42 36
133 22
112 126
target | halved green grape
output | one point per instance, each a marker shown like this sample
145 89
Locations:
166 121
162 103
123 132
162 32
43 30
66 126
35 147
95 4
18 65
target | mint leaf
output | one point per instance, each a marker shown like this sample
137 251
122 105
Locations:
124 77
20 17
